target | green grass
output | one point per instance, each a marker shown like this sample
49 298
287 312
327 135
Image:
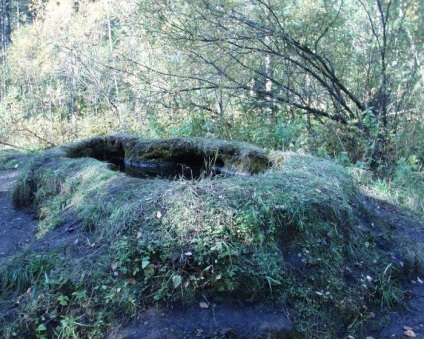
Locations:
289 234
405 187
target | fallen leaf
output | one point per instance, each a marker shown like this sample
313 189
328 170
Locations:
410 333
158 215
203 305
133 281
114 266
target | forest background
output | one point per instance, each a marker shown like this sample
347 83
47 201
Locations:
341 79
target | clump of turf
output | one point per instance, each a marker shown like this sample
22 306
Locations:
289 234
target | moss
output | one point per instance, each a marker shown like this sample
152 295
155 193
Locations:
154 153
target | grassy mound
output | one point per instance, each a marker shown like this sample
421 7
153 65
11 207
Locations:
289 233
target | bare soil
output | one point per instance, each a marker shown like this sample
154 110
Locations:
17 228
240 320
219 320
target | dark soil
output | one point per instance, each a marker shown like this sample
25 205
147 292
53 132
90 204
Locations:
406 243
221 320
242 320
17 228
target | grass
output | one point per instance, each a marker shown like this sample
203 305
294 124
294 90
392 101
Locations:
12 159
289 234
405 187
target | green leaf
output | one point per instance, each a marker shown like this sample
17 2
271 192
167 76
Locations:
177 280
63 300
41 328
145 262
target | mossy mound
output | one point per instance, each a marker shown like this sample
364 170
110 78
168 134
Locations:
286 230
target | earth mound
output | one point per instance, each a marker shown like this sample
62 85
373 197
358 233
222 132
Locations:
195 222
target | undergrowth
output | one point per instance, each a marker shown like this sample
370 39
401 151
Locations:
289 234
405 187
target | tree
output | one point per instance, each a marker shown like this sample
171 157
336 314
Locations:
343 65
5 25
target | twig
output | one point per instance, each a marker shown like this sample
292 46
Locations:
51 144
14 146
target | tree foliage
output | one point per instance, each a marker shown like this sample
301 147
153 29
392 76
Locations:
332 76
348 63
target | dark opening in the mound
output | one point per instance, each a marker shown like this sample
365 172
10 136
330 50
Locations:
188 165
101 151
193 158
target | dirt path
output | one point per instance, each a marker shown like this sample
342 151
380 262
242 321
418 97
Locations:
17 228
